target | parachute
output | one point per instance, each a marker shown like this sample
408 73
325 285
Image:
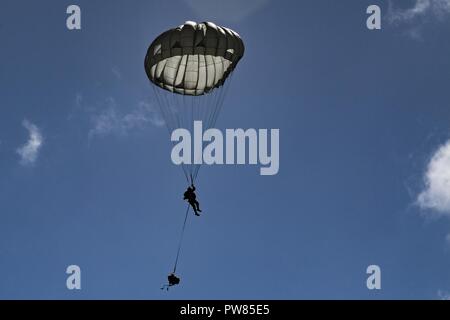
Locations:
193 65
190 68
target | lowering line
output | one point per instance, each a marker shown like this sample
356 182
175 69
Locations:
181 239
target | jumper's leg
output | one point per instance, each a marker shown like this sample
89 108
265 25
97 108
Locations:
194 207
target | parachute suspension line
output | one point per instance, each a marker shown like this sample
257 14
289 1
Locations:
211 104
203 104
192 110
181 239
216 104
215 108
175 110
224 95
161 108
218 101
172 109
201 108
178 115
189 109
224 92
207 103
167 111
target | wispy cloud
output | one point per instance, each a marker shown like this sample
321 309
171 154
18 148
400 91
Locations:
436 193
230 10
422 11
29 151
436 8
111 120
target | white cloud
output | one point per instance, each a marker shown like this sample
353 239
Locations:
142 114
436 194
230 10
29 151
111 120
421 8
421 13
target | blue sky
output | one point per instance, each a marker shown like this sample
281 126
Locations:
364 160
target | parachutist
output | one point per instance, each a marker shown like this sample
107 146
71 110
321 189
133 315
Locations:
191 197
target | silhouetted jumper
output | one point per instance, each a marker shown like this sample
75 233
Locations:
190 196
